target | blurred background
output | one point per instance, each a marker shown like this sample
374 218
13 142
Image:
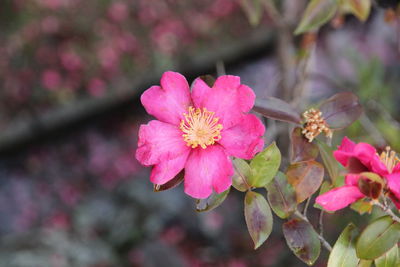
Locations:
71 74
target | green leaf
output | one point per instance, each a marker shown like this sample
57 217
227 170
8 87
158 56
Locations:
253 10
306 177
378 238
264 166
277 109
258 217
317 13
241 175
341 110
373 177
301 149
389 259
344 252
359 8
281 196
362 206
364 263
211 202
331 164
302 240
325 187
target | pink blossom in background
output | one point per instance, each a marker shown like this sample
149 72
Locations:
97 87
50 24
222 8
198 131
358 158
118 11
71 61
169 35
51 79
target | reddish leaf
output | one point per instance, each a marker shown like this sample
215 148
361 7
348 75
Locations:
301 149
258 217
302 240
277 109
241 175
306 177
281 196
171 183
341 110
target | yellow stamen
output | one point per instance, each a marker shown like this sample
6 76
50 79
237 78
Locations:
315 124
389 158
200 127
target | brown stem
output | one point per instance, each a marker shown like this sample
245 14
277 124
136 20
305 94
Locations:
325 243
388 211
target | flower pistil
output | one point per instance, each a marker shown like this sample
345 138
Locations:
200 127
315 124
389 158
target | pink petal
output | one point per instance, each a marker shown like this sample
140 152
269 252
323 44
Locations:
393 182
227 81
347 145
207 169
345 150
378 167
228 99
244 139
168 169
159 141
365 153
352 179
168 102
396 168
339 198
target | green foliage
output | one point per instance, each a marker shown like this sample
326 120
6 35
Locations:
389 259
264 166
378 238
317 13
344 252
359 8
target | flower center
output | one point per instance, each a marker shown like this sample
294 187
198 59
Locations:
200 127
389 158
315 124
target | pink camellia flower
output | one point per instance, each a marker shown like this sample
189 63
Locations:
197 130
359 158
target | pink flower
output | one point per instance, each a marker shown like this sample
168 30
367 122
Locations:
51 79
358 158
197 130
